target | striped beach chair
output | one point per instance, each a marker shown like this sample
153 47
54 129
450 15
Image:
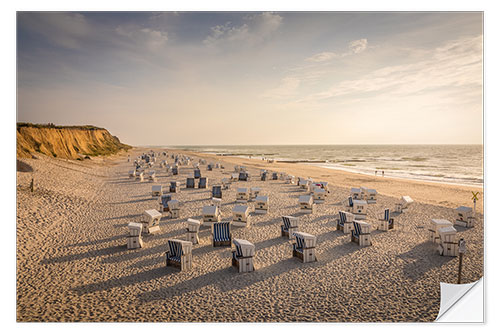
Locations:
197 173
217 192
350 204
179 254
290 225
221 234
242 256
165 198
244 176
190 183
304 247
386 222
361 233
203 182
344 223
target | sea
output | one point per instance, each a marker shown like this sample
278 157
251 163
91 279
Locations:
455 164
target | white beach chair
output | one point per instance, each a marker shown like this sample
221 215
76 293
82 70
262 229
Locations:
217 202
307 204
361 233
356 193
464 217
164 199
151 221
359 209
175 187
156 190
193 228
304 247
241 216
345 222
174 209
134 239
179 254
254 192
211 214
226 183
370 195
242 256
234 177
319 195
404 203
261 204
242 195
435 225
386 222
290 225
448 244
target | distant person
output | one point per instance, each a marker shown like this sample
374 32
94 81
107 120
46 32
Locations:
382 173
375 172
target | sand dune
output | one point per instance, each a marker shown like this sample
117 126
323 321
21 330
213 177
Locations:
73 265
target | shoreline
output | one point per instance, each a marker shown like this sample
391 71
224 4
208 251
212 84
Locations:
436 193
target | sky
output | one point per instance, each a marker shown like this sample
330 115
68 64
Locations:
194 78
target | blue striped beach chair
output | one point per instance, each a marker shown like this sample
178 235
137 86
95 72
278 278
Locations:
386 222
304 247
165 198
190 183
350 204
244 176
221 234
174 187
203 182
197 173
217 192
360 236
175 171
242 256
341 221
290 225
179 254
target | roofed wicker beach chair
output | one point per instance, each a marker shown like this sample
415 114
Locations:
437 224
243 254
226 183
263 175
370 195
156 190
386 222
307 204
197 173
345 222
221 234
290 225
304 247
241 216
174 209
175 187
151 221
175 170
234 177
356 193
319 195
464 217
261 204
448 244
254 192
190 183
210 167
179 254
211 214
242 194
203 182
193 227
275 176
403 204
217 202
361 233
217 191
164 199
349 204
244 176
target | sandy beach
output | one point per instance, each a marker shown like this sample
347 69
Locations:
73 263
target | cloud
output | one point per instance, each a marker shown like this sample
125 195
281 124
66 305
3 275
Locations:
355 47
358 46
457 63
287 87
137 36
62 29
258 28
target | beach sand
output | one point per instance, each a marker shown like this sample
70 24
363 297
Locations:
73 264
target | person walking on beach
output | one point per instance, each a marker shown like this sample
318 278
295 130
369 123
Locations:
375 172
382 173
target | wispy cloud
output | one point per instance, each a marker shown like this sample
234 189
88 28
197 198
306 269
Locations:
257 28
287 87
355 47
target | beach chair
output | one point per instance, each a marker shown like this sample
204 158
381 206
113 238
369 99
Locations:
134 238
175 170
304 247
345 222
211 214
359 209
386 222
242 256
361 233
290 179
193 228
464 217
370 195
197 173
241 216
254 192
263 176
448 244
174 209
290 225
281 176
303 184
131 173
319 195
190 183
217 192
324 186
226 183
356 193
151 221
306 204
221 234
403 204
261 204
156 190
164 199
203 182
175 187
244 176
179 254
242 194
435 225
217 202
234 177
210 166
275 176
152 176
